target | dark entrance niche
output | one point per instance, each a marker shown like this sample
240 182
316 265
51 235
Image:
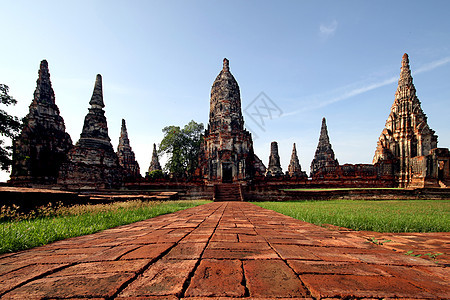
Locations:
441 165
227 173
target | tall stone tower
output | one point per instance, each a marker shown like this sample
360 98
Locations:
294 168
92 161
126 155
324 156
406 133
227 154
274 167
43 143
154 164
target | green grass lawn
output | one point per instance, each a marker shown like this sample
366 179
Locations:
65 222
338 189
380 215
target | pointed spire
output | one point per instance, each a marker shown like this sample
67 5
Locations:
294 167
123 130
126 155
226 65
405 73
95 128
97 94
324 156
324 132
154 164
123 139
44 92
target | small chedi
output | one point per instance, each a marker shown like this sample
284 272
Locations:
227 150
43 143
407 143
294 168
154 164
92 161
126 155
324 161
274 167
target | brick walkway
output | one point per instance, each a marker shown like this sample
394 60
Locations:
222 249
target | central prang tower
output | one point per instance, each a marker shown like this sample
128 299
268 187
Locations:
227 150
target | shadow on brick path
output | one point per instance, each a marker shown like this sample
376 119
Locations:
222 249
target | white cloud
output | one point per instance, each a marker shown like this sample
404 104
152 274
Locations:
322 100
328 29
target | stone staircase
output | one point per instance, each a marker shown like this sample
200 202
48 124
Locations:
228 192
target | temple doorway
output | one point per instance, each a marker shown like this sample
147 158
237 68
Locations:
441 165
227 173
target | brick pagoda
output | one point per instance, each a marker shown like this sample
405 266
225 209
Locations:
227 154
407 141
92 161
43 143
274 167
324 159
126 155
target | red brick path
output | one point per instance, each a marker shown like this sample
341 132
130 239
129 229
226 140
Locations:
222 249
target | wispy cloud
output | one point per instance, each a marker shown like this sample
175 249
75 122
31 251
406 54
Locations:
325 99
328 29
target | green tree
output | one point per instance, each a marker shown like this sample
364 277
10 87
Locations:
182 146
9 127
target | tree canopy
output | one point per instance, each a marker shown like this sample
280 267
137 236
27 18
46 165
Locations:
9 127
182 146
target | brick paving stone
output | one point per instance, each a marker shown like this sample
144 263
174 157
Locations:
341 268
150 251
294 252
121 266
391 258
272 279
165 277
92 285
196 238
222 237
13 279
186 251
167 297
240 254
434 285
110 254
9 267
245 238
217 278
331 254
238 246
347 286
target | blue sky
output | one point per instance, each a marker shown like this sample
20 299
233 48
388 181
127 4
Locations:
335 59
